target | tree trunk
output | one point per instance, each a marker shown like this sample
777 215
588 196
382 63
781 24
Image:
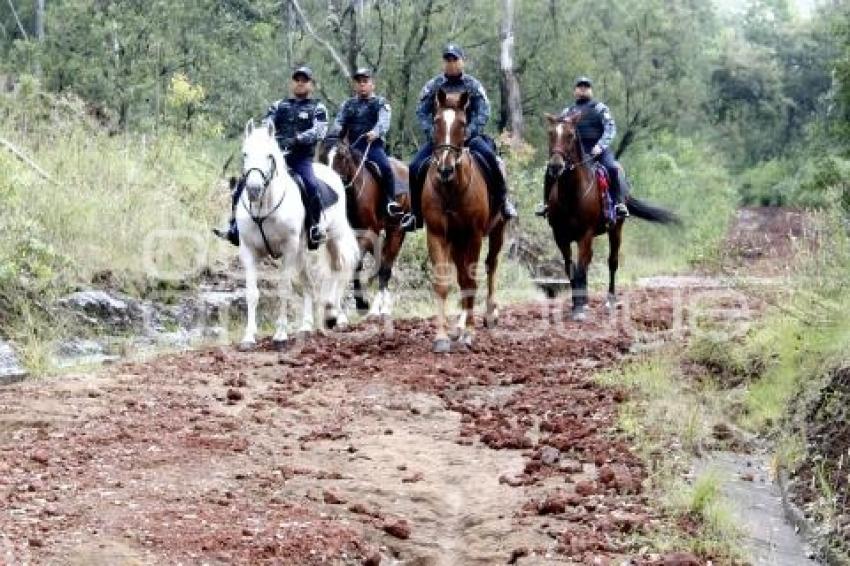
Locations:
307 27
39 20
413 46
511 98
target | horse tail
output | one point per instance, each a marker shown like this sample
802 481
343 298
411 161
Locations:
652 213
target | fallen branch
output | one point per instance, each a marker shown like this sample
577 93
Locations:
19 154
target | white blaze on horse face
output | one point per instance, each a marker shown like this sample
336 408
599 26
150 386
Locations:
331 156
449 117
559 131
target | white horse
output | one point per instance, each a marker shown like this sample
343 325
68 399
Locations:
270 217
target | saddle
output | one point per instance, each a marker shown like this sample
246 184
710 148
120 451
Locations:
400 186
327 196
604 182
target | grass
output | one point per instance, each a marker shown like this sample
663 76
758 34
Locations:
668 421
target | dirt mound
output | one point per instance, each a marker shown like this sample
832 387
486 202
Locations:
821 485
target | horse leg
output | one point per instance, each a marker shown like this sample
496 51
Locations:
366 243
615 238
564 245
466 265
252 296
389 253
585 256
497 238
284 293
440 262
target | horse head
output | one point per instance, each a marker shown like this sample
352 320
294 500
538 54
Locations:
260 155
342 160
563 143
449 132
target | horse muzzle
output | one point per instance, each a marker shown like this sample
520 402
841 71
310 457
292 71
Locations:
555 170
254 190
446 173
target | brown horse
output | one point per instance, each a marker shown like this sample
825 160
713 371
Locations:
366 215
459 212
577 210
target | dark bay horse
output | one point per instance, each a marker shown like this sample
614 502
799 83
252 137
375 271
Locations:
459 213
577 211
366 204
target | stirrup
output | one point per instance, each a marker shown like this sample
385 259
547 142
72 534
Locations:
407 222
508 210
542 210
622 210
317 235
228 235
394 209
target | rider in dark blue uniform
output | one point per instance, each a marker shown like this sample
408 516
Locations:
364 121
300 123
596 130
454 80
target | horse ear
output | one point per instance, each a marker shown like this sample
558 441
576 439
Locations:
270 128
249 127
463 101
441 98
550 119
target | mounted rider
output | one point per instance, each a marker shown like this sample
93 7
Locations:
596 130
300 123
454 80
364 121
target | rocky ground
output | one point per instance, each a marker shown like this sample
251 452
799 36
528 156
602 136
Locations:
357 447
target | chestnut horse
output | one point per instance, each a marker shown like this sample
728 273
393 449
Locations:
577 211
458 213
366 205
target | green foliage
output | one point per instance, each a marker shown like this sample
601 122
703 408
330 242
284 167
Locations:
128 205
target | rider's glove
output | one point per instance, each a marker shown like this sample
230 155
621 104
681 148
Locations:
596 151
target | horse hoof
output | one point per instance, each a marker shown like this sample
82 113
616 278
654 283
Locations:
442 346
246 345
579 315
465 340
330 322
362 306
491 320
280 345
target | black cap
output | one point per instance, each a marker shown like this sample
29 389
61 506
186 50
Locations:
583 81
362 72
303 70
453 50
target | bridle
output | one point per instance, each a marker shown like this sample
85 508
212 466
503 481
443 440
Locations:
569 164
349 155
267 176
257 218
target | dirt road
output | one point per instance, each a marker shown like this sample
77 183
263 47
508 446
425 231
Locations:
351 448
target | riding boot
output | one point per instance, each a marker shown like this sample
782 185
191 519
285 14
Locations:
394 209
543 208
416 183
615 189
232 232
506 207
316 235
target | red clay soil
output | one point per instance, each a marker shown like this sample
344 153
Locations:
350 448
187 458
